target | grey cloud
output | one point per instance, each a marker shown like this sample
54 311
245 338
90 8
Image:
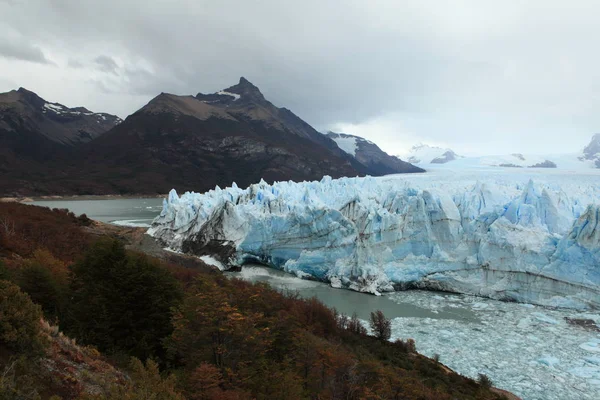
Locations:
20 50
498 76
106 64
75 63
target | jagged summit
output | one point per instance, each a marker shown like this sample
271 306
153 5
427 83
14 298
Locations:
246 88
242 93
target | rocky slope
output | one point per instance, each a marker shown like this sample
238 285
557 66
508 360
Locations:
370 155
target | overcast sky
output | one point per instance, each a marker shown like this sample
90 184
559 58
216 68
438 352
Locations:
479 76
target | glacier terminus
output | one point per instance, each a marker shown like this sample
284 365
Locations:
525 236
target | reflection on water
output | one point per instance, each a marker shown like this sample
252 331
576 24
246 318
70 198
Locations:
346 301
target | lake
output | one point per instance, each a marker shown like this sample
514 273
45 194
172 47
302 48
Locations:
127 212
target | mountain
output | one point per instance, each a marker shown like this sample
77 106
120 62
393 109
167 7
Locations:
592 151
199 142
24 112
426 154
37 139
370 155
187 142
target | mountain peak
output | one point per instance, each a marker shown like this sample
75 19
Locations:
246 90
30 97
23 90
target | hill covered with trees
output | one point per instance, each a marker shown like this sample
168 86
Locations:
145 328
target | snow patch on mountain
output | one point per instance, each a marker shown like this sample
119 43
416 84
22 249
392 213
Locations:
59 109
234 95
54 107
499 235
348 143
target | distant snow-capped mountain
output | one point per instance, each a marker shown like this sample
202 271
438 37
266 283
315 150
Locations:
370 155
426 154
591 152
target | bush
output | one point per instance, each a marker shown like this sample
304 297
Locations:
15 385
121 302
381 326
20 328
146 383
484 381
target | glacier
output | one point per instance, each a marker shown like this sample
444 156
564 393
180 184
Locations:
527 237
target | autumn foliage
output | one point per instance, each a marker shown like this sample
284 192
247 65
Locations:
25 229
201 335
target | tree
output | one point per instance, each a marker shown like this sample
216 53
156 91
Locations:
210 327
121 302
355 326
380 325
38 282
20 328
484 381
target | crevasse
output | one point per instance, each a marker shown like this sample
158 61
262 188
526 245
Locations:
525 242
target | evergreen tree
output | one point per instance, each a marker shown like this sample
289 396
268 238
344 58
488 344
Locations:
38 282
121 302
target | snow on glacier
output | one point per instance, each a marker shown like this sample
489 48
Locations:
528 236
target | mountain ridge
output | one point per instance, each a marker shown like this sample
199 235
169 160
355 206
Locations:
24 110
187 142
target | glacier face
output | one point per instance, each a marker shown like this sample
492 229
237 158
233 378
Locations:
495 234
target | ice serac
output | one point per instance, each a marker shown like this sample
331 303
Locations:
528 242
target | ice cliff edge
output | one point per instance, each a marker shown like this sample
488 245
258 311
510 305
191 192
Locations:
528 243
